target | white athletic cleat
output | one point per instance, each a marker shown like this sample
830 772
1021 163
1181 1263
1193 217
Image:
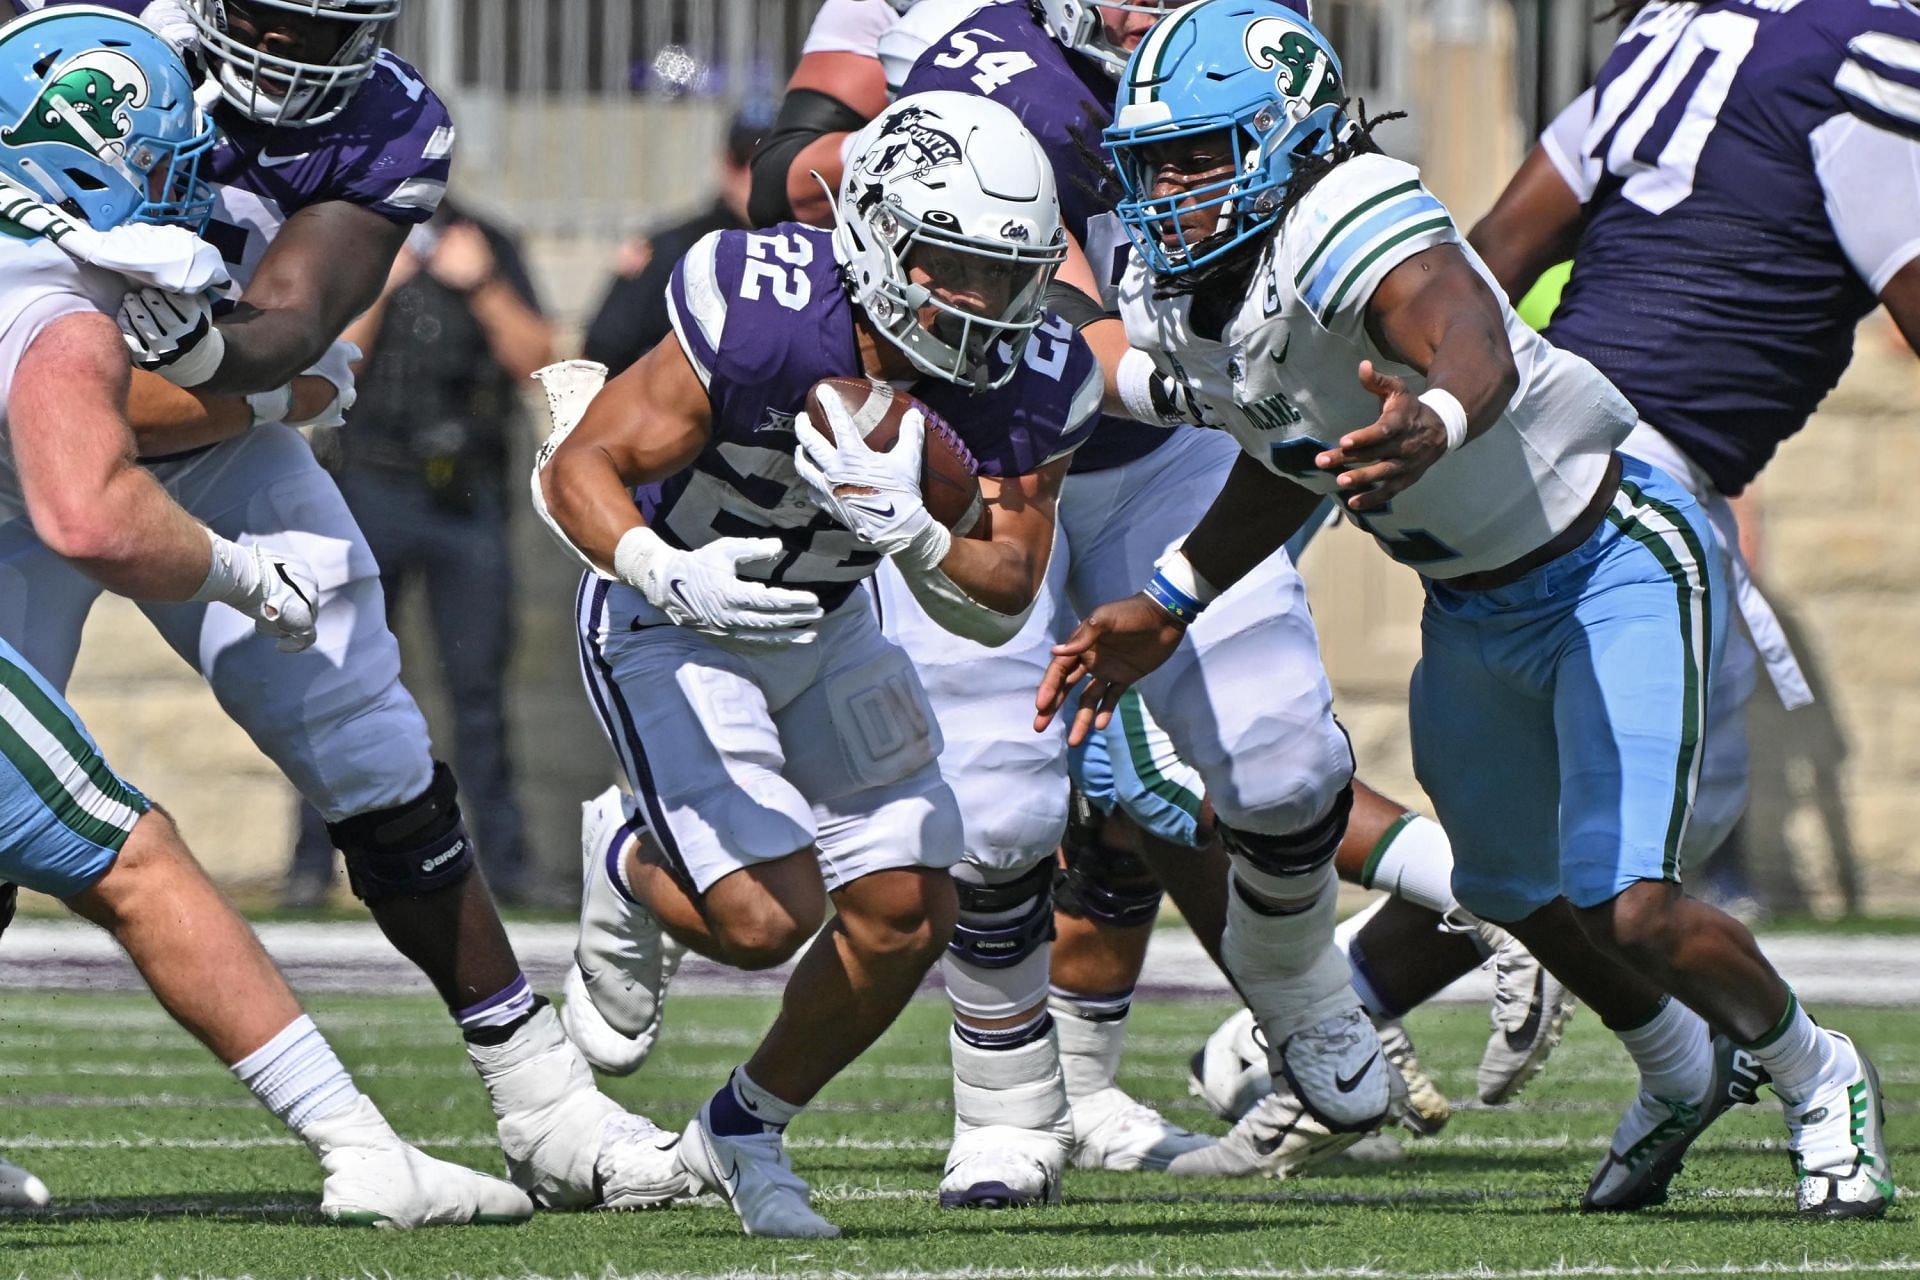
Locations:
1230 1072
1002 1167
754 1175
1338 1071
1277 1136
1112 1130
375 1179
21 1190
1839 1148
1530 1012
605 1048
619 953
566 1143
1427 1110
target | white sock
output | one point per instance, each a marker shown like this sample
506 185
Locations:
1286 965
1093 1032
297 1076
1413 861
1796 1053
1674 1051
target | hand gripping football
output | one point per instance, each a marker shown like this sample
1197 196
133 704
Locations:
947 481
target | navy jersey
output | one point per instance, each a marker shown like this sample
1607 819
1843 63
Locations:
762 317
1725 262
1002 52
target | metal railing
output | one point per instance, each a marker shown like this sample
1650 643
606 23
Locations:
585 118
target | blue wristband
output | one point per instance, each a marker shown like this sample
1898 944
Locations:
1180 606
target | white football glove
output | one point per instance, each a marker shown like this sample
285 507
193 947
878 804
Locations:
172 334
171 21
279 594
893 517
702 589
336 366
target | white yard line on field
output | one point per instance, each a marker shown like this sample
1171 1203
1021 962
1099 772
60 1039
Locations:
352 956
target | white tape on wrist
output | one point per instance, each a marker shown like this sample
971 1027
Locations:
199 364
1452 414
1133 379
1179 571
634 553
271 406
232 573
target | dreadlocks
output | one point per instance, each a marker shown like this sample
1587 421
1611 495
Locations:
1226 277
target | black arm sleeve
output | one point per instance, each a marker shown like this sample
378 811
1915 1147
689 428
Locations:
805 114
1074 306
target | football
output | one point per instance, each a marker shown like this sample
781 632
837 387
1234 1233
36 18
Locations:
947 479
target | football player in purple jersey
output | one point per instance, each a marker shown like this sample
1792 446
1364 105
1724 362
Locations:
1737 190
329 151
782 750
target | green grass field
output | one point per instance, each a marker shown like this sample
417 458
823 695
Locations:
162 1166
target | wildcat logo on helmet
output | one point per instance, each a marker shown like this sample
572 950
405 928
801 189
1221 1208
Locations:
1305 70
923 148
88 104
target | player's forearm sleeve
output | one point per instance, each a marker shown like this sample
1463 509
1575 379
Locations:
805 114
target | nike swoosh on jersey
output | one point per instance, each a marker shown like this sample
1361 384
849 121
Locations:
266 161
1347 1084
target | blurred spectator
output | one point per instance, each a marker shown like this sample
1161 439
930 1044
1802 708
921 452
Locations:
449 347
633 316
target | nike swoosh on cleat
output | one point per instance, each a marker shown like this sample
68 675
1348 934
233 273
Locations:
1267 1146
1347 1084
1522 1038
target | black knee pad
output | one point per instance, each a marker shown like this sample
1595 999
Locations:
1001 946
1297 853
418 847
1100 882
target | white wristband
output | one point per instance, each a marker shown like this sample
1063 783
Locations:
1179 571
199 364
635 552
1451 412
232 574
271 406
1133 379
928 549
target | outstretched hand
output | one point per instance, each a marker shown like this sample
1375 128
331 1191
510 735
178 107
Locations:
1117 645
1388 455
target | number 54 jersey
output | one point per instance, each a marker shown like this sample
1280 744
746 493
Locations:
1750 172
762 317
1282 376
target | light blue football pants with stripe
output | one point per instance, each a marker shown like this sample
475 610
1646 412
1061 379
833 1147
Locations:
1559 722
64 814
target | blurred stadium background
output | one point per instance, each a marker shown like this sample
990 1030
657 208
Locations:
585 121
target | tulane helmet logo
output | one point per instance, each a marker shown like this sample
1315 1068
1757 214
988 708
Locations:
88 104
1304 71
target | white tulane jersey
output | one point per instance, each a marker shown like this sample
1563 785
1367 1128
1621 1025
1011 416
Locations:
1283 378
38 285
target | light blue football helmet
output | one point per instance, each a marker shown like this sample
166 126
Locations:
1252 69
97 116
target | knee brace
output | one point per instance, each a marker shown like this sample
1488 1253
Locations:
414 848
1102 883
996 964
1297 853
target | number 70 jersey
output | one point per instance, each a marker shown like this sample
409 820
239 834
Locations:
1751 179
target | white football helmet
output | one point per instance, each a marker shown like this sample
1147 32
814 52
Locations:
954 187
284 91
1077 25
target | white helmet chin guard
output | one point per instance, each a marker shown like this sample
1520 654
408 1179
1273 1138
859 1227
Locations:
955 187
284 91
1077 25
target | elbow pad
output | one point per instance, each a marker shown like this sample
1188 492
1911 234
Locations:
960 613
805 114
